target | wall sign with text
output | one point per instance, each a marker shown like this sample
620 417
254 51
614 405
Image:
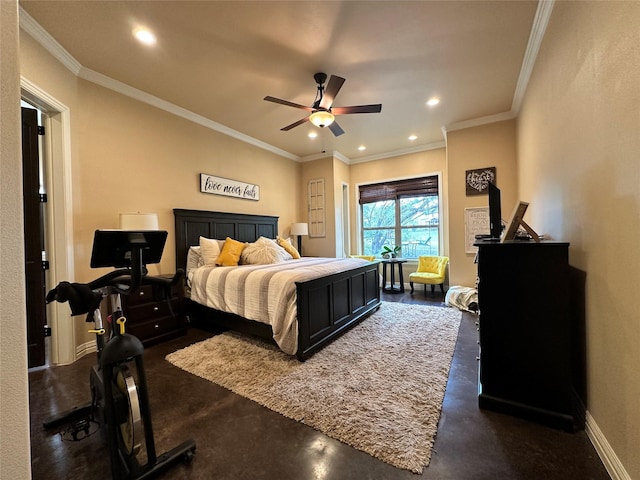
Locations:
476 222
229 188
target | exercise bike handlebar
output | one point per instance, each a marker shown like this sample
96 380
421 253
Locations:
124 276
83 297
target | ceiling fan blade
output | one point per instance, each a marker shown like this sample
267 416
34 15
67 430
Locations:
333 87
336 129
295 124
287 103
377 108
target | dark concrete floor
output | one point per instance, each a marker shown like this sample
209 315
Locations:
239 439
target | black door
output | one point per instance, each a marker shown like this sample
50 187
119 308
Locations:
33 239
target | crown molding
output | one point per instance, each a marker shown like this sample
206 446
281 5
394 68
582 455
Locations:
334 154
40 35
538 29
124 89
370 158
476 122
342 158
397 153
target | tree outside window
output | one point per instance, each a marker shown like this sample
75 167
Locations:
409 219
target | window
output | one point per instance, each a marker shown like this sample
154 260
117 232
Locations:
403 213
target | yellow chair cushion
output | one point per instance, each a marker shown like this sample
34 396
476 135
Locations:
426 277
369 258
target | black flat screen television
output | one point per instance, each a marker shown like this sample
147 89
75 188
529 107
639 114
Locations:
112 248
495 212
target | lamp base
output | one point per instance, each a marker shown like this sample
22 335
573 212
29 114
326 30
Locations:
300 244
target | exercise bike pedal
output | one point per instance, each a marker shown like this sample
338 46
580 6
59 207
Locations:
80 430
68 417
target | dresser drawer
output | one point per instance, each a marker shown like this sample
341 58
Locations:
154 328
143 295
146 311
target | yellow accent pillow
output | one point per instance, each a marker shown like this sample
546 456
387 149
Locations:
286 244
230 254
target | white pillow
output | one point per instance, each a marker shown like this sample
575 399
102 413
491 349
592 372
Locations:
264 251
194 259
209 250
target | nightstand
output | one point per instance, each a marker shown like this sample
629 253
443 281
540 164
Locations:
393 287
155 320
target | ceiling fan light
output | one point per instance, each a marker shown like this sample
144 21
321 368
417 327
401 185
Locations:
321 118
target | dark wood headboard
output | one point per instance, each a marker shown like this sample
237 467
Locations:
193 224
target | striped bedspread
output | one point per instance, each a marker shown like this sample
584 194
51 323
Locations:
264 293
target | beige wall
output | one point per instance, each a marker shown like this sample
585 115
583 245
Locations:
15 458
579 144
134 157
492 145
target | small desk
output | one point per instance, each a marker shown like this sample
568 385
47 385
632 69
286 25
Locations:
392 263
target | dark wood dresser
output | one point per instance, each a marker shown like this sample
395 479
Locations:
527 339
155 320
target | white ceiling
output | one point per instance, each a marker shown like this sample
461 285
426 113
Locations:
220 59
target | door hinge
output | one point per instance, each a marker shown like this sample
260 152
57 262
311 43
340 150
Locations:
40 130
47 331
43 198
45 264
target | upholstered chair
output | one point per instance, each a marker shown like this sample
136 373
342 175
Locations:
431 271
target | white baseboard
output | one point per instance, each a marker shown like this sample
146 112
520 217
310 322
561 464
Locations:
609 458
85 348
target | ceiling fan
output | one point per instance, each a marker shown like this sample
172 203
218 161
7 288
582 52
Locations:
322 111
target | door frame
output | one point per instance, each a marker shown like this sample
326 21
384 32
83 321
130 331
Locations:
59 227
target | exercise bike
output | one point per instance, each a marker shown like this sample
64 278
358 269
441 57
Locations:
119 398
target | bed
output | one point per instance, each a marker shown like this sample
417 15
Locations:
325 307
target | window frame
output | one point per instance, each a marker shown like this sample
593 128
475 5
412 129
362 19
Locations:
397 227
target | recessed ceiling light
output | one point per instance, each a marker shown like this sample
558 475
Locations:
362 147
433 101
144 35
412 137
313 134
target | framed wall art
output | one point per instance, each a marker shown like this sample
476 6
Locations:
477 180
476 222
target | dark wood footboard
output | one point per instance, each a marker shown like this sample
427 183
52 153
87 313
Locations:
328 306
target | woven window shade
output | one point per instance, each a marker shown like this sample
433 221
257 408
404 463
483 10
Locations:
400 188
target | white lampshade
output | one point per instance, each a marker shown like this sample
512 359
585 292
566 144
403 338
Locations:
321 118
299 229
138 221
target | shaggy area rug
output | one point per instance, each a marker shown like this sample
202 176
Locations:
379 387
